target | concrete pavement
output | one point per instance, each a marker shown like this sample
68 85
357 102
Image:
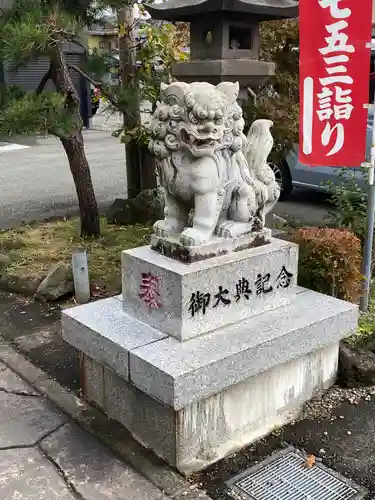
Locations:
44 455
36 183
305 206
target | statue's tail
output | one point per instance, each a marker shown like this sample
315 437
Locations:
239 164
259 144
276 191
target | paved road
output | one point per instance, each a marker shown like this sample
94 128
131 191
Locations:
36 182
306 206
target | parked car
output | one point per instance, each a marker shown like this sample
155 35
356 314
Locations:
291 173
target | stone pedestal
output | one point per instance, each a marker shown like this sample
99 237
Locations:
197 298
198 360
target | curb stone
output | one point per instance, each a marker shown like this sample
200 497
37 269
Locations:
107 431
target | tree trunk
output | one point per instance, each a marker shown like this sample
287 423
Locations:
133 171
74 146
80 169
2 76
132 119
147 169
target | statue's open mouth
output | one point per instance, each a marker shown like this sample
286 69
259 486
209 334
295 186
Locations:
194 142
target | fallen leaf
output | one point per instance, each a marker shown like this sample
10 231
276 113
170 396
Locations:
95 291
310 462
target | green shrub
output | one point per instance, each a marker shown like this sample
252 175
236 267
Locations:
329 261
9 93
349 203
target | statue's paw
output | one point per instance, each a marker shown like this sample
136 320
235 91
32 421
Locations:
225 229
192 237
163 229
233 229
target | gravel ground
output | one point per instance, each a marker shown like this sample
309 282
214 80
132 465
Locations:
337 427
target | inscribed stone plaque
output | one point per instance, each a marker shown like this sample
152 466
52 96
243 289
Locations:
186 300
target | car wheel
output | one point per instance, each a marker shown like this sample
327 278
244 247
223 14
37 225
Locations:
283 178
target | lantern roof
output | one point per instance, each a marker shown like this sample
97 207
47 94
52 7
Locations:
262 10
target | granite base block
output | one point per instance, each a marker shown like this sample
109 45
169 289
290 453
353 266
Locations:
192 402
178 374
103 331
204 432
181 373
186 301
151 423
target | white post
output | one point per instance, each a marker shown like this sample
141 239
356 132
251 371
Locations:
368 244
80 275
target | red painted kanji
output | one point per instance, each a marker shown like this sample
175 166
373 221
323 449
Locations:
149 290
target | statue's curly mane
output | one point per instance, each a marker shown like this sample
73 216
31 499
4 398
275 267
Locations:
164 127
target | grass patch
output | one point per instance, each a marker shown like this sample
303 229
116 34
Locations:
39 246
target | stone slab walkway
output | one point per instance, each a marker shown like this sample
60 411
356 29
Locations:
44 455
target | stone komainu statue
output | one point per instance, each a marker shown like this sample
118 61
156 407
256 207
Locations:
206 164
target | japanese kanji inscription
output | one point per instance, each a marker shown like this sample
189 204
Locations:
202 301
149 290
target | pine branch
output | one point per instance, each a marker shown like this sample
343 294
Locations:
86 76
100 85
71 37
44 80
45 114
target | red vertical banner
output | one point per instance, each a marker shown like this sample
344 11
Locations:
334 81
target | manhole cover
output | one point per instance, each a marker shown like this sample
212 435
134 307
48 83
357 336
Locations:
283 476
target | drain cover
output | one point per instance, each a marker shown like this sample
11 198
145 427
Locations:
284 477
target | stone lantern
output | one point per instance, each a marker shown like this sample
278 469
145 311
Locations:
224 37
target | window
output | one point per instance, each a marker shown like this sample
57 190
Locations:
101 45
239 38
